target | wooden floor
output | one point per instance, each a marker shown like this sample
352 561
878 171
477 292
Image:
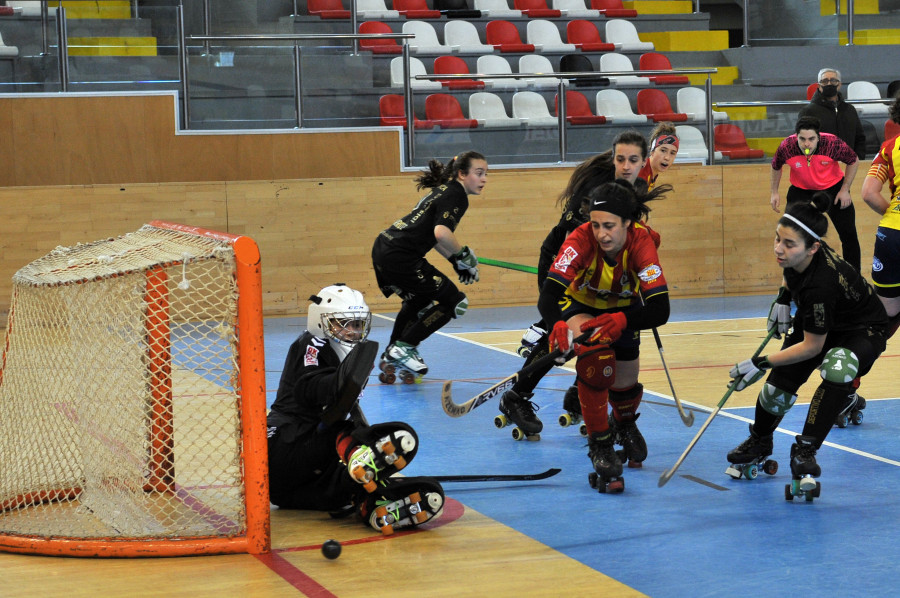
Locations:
464 553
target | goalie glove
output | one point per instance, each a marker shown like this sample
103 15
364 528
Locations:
466 265
607 328
780 314
748 371
561 339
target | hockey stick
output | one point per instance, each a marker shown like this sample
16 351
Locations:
508 265
459 409
667 475
687 418
527 477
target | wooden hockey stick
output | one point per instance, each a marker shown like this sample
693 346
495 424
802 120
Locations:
459 409
667 475
499 477
687 418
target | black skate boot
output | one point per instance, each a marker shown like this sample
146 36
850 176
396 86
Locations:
572 408
402 502
804 469
851 411
626 434
607 474
519 410
747 457
383 450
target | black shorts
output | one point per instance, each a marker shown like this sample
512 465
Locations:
886 262
409 277
627 348
867 345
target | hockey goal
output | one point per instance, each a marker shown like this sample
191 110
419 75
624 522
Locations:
132 399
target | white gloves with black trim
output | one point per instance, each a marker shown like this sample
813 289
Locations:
780 314
748 371
466 265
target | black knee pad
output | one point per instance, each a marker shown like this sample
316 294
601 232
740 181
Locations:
628 394
454 304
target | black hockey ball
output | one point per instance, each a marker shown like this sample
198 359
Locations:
331 549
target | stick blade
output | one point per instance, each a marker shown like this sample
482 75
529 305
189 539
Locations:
665 477
450 408
689 420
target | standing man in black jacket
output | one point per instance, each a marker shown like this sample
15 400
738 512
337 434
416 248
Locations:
835 115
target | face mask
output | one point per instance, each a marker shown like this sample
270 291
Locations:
829 91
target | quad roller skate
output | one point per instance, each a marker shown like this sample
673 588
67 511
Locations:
626 434
750 456
851 412
530 340
394 446
804 470
572 407
607 475
519 410
402 361
403 502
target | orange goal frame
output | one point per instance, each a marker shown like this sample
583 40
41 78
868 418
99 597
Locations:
254 451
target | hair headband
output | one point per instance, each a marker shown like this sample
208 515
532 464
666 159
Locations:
664 140
804 227
613 204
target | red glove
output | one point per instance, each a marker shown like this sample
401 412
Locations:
561 337
607 328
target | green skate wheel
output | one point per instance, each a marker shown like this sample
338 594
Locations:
751 472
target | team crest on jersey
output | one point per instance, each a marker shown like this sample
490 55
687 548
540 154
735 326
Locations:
312 356
565 258
650 273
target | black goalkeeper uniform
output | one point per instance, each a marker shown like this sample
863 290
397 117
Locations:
832 298
304 469
399 251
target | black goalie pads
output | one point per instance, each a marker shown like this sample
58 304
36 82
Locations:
352 376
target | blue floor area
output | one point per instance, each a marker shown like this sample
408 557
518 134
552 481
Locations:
703 534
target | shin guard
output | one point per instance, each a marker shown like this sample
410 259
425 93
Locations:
625 402
596 369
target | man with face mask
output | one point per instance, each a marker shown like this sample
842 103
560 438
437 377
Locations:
835 115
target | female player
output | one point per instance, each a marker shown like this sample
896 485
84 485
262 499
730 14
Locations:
321 459
596 283
839 328
624 161
663 149
429 299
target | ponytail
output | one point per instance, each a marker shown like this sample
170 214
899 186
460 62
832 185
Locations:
437 174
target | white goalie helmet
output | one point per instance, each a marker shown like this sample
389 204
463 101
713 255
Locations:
341 315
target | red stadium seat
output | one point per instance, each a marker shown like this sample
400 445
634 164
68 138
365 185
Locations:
613 9
586 37
327 9
378 46
393 114
811 90
536 9
730 140
415 9
504 36
454 65
444 110
654 61
654 103
578 110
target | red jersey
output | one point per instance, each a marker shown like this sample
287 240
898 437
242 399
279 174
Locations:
884 168
646 173
609 282
817 171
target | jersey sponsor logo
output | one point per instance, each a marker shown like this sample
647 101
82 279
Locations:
565 258
819 315
312 356
650 273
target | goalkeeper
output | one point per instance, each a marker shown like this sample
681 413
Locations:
323 455
429 299
839 328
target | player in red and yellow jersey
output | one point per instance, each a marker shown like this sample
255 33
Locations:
886 261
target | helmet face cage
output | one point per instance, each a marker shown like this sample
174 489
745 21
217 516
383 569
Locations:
347 328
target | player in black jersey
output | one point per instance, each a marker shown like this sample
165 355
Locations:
429 299
839 328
